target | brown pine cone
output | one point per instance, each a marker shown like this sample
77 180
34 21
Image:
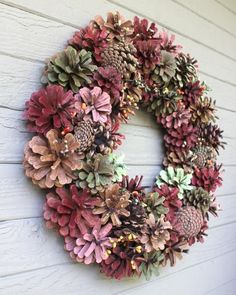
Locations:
120 55
84 134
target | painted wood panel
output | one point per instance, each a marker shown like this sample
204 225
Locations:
32 259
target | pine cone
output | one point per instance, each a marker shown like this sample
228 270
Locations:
52 161
109 79
84 134
96 173
185 71
207 177
115 24
123 260
155 234
105 139
155 204
203 156
192 91
120 55
131 96
178 159
177 118
70 210
212 135
165 70
203 111
133 184
70 68
189 222
184 137
136 219
164 102
113 204
199 198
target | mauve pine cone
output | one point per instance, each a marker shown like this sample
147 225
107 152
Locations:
113 203
115 24
189 222
156 234
51 161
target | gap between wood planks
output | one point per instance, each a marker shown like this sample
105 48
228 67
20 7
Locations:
162 276
230 9
26 9
172 29
204 18
34 12
168 275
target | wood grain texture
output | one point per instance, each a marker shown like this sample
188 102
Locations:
212 62
32 259
56 264
227 288
228 4
222 18
200 29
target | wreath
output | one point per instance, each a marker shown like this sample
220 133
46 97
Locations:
108 70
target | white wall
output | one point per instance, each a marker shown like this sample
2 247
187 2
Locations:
32 260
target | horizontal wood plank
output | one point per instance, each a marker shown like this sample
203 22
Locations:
228 4
46 36
200 30
222 18
142 127
33 37
227 288
37 248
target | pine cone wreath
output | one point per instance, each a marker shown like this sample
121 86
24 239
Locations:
107 71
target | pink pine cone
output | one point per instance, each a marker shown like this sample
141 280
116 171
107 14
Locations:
70 211
92 246
97 104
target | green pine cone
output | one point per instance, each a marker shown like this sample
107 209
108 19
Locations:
70 68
